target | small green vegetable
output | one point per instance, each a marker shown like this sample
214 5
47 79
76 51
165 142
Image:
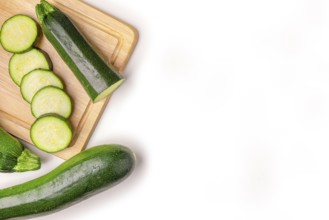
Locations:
89 172
13 156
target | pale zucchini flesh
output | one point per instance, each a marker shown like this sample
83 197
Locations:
18 33
51 133
23 63
51 99
109 90
36 80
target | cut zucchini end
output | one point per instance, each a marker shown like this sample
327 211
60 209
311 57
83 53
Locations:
51 133
108 91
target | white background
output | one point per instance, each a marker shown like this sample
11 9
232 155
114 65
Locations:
226 105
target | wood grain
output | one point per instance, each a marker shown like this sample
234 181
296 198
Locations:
114 39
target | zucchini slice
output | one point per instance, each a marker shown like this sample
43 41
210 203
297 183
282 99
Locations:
36 80
51 133
51 99
98 77
19 33
21 64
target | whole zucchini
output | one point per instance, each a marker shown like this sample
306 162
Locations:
98 77
82 176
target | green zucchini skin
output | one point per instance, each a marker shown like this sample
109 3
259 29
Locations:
93 72
10 150
14 157
78 178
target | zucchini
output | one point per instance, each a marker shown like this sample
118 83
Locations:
21 64
51 133
97 77
19 33
13 156
86 174
36 80
51 99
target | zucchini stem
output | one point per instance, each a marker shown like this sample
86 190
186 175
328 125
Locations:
27 161
40 12
43 9
47 7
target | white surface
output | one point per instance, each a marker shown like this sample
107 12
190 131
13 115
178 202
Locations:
226 104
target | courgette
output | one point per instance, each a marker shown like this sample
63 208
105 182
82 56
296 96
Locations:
97 77
14 157
36 80
19 33
90 172
51 99
21 64
51 133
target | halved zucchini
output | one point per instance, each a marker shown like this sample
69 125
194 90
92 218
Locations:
51 100
21 64
98 77
51 133
19 33
36 80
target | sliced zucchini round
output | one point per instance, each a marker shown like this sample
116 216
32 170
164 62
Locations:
51 133
51 99
36 80
18 33
21 64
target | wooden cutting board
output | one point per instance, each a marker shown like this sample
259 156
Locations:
114 39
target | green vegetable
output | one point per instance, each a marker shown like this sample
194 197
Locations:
90 172
51 99
36 80
98 77
21 64
13 156
19 33
51 133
